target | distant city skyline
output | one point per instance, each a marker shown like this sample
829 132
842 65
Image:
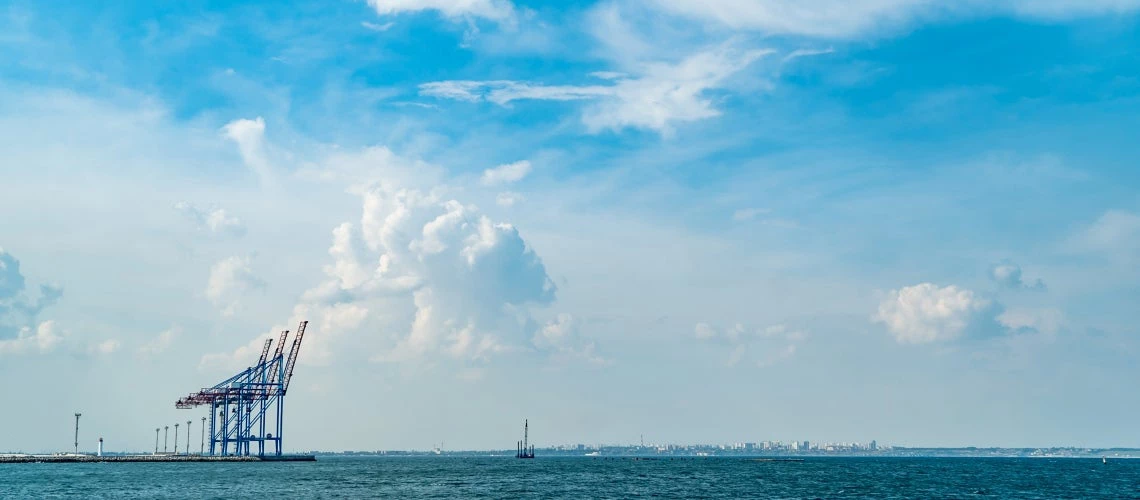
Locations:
696 221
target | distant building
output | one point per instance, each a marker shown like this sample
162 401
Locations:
806 446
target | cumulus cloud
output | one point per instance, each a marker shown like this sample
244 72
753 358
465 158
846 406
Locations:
215 220
230 278
506 174
422 277
1008 274
768 345
43 338
493 10
562 337
853 18
18 309
469 273
249 135
661 94
926 313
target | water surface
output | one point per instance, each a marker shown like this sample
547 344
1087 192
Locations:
582 477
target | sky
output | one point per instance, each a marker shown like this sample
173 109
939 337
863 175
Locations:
703 221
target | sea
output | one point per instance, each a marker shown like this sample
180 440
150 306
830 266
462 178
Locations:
582 477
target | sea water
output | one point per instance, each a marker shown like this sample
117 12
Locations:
582 477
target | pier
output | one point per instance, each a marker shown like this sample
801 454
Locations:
28 459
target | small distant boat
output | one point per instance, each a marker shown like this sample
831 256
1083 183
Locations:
1104 460
593 454
525 450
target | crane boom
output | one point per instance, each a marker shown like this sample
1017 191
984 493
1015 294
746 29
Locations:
265 351
293 352
277 354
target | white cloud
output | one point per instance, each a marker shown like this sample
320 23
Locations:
43 338
853 18
660 96
608 75
249 135
926 313
229 279
704 331
160 343
768 345
506 173
494 10
105 347
1046 321
370 165
1115 233
508 199
215 220
798 53
377 27
438 278
562 336
18 310
11 280
1008 274
503 92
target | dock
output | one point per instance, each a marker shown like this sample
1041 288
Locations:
27 459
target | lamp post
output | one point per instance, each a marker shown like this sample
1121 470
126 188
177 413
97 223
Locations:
175 439
156 429
77 415
202 447
165 437
188 437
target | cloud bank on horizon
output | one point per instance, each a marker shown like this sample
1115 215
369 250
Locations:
635 205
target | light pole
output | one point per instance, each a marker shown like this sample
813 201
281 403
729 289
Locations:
188 437
165 437
77 415
202 447
175 439
156 429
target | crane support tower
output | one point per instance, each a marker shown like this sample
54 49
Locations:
243 406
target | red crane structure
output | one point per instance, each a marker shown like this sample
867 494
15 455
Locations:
243 406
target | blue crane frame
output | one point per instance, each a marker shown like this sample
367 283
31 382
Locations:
248 400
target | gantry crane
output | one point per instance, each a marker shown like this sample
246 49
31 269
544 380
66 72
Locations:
250 400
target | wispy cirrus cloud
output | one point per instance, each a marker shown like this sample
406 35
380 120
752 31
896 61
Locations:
494 10
855 18
660 96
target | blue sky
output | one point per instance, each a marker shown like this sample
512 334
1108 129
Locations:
706 221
